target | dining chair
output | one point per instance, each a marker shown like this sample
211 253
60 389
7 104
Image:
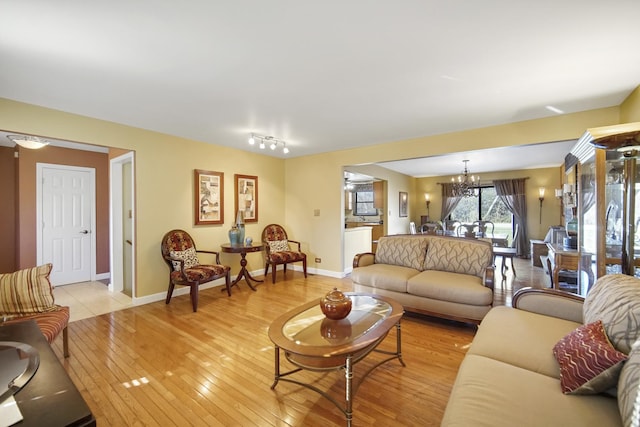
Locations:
507 253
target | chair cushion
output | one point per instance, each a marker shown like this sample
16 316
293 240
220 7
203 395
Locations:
27 291
189 257
402 251
200 273
285 257
629 386
615 299
589 364
51 323
279 245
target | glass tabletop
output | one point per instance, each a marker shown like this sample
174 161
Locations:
311 328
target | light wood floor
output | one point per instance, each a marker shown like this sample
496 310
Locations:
162 365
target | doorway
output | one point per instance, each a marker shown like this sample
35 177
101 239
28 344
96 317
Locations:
66 218
122 222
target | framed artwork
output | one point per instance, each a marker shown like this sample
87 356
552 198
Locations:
246 187
209 197
404 202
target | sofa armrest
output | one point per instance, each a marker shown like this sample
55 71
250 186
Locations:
550 302
488 278
364 259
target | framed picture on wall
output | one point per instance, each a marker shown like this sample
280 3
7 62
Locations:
246 187
404 202
208 197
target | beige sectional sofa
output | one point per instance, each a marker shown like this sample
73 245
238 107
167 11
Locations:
442 276
512 375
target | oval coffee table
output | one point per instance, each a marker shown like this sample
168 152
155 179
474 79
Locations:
313 342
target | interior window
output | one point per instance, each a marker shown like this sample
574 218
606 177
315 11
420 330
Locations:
363 194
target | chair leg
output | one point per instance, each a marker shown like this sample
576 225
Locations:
266 269
273 273
194 296
512 267
169 292
304 267
65 341
227 280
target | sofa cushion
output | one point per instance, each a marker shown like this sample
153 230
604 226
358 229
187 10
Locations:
405 251
458 256
384 276
446 286
615 299
26 291
521 338
491 393
589 364
629 387
189 257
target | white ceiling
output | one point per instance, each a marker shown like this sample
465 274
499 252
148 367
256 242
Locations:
322 76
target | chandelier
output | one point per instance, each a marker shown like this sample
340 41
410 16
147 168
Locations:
466 185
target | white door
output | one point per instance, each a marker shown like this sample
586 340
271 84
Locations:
66 221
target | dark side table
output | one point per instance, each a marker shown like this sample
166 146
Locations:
243 250
50 398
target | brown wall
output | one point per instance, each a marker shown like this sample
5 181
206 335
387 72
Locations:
26 199
8 213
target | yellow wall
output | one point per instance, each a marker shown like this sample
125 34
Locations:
290 191
164 183
630 108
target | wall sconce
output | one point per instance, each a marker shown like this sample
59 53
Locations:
265 139
427 199
541 198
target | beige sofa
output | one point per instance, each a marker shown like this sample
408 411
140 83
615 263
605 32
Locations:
511 375
447 277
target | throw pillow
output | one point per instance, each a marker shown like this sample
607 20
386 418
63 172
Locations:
629 388
26 291
279 246
403 251
589 363
189 257
615 299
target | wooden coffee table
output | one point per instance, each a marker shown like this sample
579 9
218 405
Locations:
312 342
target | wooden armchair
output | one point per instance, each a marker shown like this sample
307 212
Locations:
28 295
278 249
180 253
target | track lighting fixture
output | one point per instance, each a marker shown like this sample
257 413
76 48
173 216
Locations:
265 140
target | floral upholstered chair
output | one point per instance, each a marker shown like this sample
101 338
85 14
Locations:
28 295
278 248
180 253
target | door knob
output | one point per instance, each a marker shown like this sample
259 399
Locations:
84 232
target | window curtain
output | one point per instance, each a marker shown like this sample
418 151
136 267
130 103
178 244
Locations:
511 192
449 201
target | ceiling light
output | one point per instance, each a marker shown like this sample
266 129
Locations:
265 140
466 185
27 141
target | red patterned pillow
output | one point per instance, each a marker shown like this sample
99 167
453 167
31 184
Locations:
589 363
